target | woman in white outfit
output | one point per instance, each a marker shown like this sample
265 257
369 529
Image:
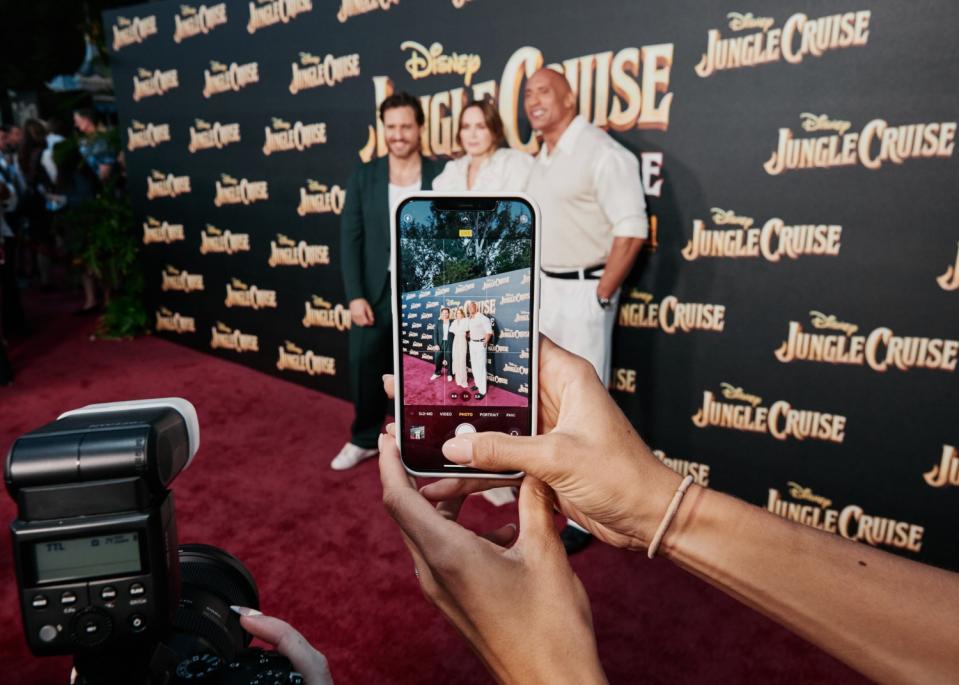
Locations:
486 166
459 329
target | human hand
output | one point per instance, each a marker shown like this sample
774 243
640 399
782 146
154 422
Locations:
361 313
604 476
307 661
522 608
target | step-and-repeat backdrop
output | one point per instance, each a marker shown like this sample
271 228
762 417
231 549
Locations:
790 335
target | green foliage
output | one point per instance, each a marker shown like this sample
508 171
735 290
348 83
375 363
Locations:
104 243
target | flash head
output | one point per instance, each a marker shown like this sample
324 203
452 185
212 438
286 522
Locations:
141 442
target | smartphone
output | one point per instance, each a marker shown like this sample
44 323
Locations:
465 275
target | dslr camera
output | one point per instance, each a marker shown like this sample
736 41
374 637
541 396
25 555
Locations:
99 572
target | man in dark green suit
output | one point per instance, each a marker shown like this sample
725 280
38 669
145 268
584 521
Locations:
373 192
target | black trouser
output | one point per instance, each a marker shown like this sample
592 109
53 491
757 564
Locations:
371 355
443 354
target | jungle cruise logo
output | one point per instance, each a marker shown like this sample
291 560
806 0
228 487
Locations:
313 71
671 315
166 185
265 13
293 358
798 38
772 241
207 136
880 350
317 198
140 135
230 191
173 322
851 522
183 281
431 61
213 240
222 78
876 144
282 136
286 252
699 472
745 412
222 337
946 472
155 231
148 83
618 90
192 21
354 8
130 31
322 314
950 279
239 294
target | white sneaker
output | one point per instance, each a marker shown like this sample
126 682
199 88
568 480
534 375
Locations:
350 456
434 376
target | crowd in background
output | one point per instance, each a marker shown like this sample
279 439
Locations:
47 169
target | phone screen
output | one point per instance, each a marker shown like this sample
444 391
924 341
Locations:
465 301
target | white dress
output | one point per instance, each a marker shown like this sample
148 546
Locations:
459 328
507 170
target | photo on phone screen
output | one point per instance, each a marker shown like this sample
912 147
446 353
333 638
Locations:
466 320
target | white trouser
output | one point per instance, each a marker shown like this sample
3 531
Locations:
570 315
478 364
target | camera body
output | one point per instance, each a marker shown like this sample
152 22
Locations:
95 539
99 572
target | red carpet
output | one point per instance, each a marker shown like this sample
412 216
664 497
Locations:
325 555
419 389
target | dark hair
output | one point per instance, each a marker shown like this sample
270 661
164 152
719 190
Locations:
493 121
34 140
444 309
88 113
403 99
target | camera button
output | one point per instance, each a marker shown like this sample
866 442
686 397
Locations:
108 593
48 633
68 598
137 623
39 601
136 590
464 428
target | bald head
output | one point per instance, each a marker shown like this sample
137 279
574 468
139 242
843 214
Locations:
550 103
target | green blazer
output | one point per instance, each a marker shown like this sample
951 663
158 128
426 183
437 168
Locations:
365 227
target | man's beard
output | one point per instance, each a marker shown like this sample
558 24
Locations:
411 149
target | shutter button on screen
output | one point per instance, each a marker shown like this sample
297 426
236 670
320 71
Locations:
464 428
48 633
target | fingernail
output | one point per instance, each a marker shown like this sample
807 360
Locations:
459 450
245 611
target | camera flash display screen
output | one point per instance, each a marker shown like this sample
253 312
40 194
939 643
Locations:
104 555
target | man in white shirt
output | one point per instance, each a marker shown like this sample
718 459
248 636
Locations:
481 332
594 223
442 362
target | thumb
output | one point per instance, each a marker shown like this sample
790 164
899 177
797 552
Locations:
536 455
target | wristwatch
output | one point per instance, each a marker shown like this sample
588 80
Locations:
604 302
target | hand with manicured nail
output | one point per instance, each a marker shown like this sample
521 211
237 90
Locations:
307 661
521 607
604 476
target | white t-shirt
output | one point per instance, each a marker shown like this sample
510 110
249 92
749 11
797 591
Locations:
506 170
479 327
397 193
589 191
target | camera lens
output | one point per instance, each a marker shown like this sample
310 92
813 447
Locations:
205 632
